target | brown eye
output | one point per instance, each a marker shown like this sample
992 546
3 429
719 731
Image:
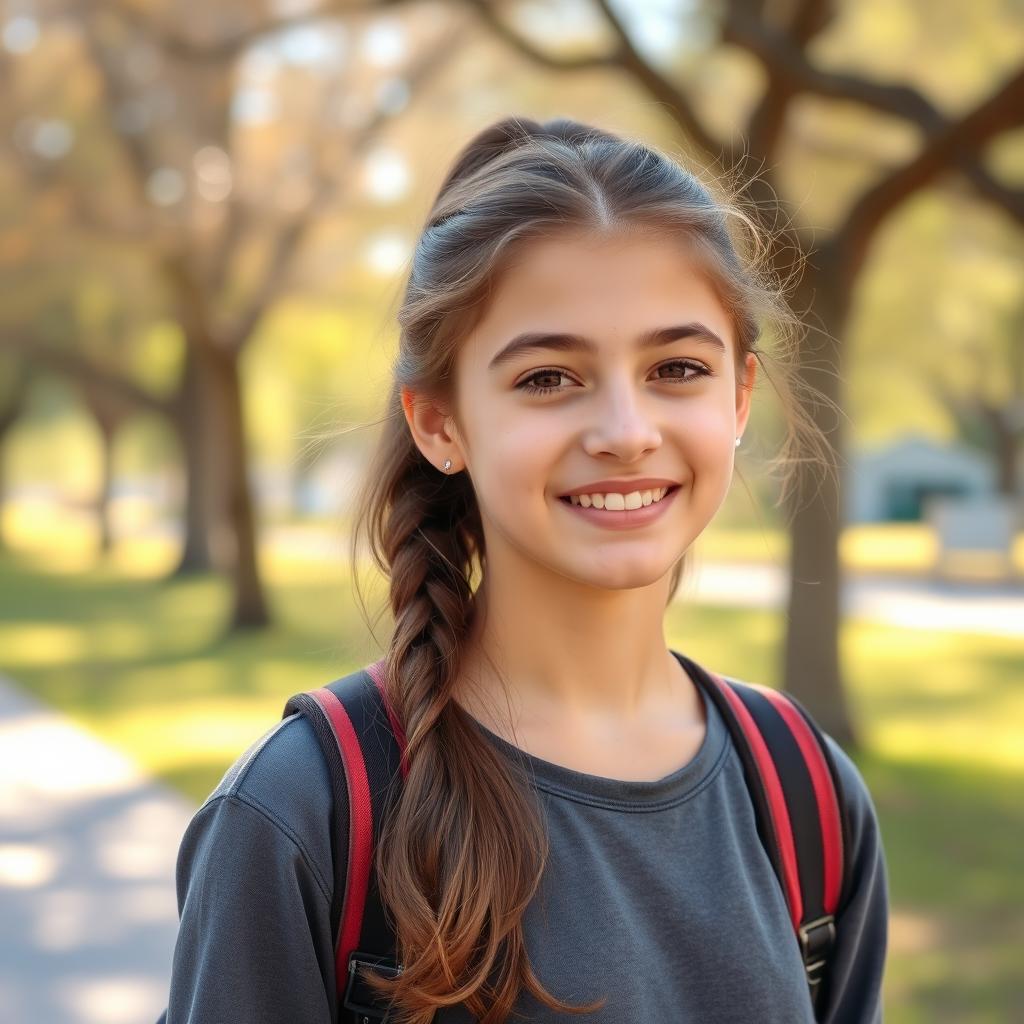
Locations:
699 370
526 383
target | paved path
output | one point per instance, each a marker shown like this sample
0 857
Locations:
88 914
917 602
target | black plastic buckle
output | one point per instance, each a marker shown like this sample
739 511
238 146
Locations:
359 998
816 940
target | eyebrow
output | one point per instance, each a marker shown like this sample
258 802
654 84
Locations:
536 341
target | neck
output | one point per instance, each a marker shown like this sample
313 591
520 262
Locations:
577 652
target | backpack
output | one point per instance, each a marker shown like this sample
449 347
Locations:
790 773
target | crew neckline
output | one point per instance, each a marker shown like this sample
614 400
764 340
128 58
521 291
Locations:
629 794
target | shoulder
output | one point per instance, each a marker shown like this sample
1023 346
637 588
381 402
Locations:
857 807
275 799
282 786
284 773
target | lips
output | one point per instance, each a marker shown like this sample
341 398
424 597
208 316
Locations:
623 519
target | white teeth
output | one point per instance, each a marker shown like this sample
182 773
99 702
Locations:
615 502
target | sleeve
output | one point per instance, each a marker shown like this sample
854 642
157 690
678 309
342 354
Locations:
854 980
254 942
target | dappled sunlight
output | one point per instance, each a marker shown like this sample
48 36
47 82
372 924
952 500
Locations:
86 872
63 920
59 539
41 644
913 933
132 845
735 544
966 742
37 784
26 865
118 639
899 548
888 546
170 735
935 696
66 917
145 557
117 999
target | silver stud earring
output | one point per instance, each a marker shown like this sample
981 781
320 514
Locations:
447 465
738 439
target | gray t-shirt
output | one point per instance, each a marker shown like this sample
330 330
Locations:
657 895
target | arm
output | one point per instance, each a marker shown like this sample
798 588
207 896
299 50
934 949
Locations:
254 942
854 980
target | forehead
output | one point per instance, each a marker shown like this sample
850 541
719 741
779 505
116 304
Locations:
610 287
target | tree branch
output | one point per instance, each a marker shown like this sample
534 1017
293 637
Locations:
291 237
175 45
663 89
943 150
787 64
488 14
764 128
624 57
78 368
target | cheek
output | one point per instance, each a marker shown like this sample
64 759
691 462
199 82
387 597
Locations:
705 433
517 458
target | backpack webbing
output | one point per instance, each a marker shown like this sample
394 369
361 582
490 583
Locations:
797 796
790 773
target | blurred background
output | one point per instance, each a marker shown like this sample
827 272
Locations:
206 215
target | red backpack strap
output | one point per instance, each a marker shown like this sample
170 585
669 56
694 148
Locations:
797 796
365 748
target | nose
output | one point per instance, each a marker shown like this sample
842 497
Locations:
624 425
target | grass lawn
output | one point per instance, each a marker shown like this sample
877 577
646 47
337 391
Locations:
144 665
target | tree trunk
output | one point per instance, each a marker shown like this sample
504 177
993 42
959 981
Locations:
1007 459
6 423
811 662
200 518
108 434
250 605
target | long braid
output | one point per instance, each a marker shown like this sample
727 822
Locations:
430 599
453 881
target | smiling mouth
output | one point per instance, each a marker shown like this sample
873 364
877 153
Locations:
669 491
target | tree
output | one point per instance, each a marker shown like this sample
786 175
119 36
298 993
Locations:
15 374
781 39
222 252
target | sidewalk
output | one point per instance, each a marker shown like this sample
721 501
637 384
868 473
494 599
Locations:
911 601
88 914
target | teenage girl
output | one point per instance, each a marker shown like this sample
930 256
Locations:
575 368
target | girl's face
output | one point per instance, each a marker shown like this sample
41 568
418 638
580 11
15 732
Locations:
602 364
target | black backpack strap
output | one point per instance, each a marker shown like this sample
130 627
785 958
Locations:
798 801
363 744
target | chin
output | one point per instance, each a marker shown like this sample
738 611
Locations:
629 575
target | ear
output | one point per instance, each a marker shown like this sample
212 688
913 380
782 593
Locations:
744 389
433 430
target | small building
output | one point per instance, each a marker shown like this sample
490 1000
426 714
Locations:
894 483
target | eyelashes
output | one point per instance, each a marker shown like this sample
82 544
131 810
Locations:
700 370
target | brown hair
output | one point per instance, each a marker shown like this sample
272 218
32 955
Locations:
463 853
